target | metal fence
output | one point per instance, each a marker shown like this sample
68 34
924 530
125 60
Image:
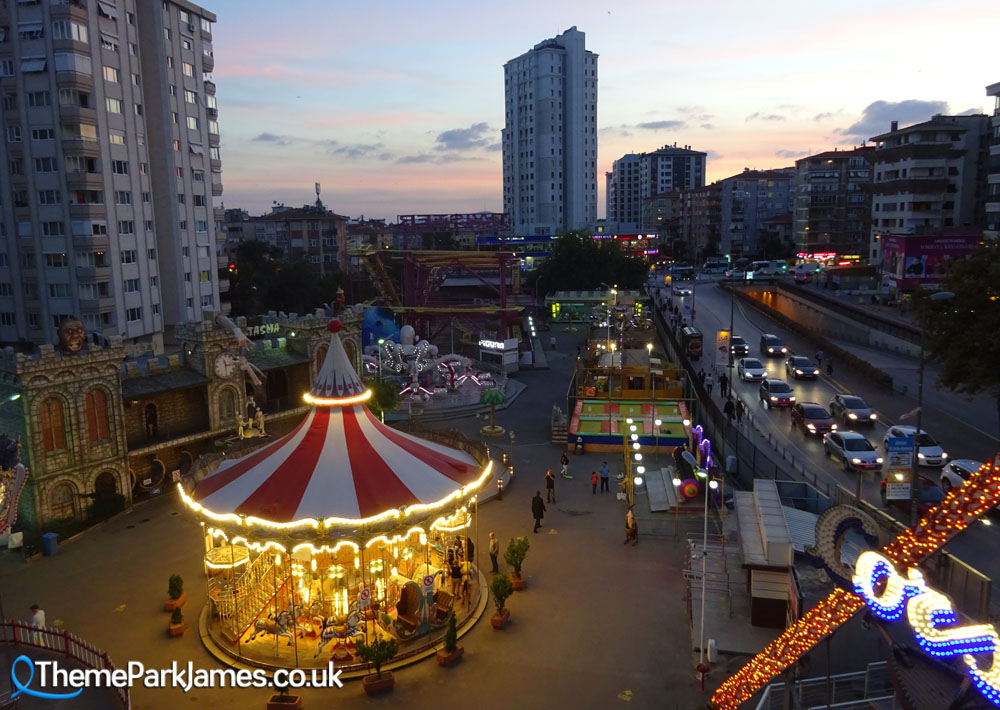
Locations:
870 689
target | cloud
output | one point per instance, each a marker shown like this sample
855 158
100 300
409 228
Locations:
272 138
695 113
478 135
355 151
433 158
878 115
660 125
791 153
827 114
713 155
971 112
351 151
708 126
758 116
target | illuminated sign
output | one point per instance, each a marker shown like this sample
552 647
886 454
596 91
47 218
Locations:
491 345
817 256
932 617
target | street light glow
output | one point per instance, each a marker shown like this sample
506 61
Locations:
638 457
635 445
635 437
637 480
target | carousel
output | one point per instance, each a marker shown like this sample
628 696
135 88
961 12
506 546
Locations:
338 531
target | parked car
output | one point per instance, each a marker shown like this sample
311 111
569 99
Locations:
813 418
772 346
738 346
801 368
930 495
853 410
776 393
853 450
929 452
751 369
954 473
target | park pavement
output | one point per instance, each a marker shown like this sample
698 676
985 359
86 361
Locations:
600 624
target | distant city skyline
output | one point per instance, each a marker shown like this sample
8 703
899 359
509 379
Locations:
397 109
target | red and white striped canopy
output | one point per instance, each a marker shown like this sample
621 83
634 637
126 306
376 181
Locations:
340 462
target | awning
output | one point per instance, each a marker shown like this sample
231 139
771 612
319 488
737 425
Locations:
32 65
197 149
107 10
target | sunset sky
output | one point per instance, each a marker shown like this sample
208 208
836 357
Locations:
397 107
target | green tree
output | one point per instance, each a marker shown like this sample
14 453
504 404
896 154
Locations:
577 262
385 396
261 279
962 332
493 396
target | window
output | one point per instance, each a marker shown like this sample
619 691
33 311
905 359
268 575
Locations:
6 289
72 97
204 276
173 118
114 105
10 102
109 42
180 198
51 418
199 201
151 254
187 68
206 25
130 286
133 49
91 259
123 197
170 65
210 101
146 197
130 18
107 9
112 74
135 80
6 67
43 134
13 134
117 137
126 226
143 168
119 167
193 123
156 309
98 228
185 251
213 127
198 175
201 226
49 197
187 277
189 302
57 260
207 301
33 321
190 97
38 99
154 280
71 61
53 229
133 314
138 109
177 145
128 256
45 165
185 17
196 149
166 33
97 415
186 44
58 290
63 29
8 318
149 225
183 225
30 30
214 153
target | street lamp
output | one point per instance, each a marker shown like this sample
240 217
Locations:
702 473
381 341
938 297
656 436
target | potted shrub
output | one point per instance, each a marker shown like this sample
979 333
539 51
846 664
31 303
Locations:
517 550
175 592
176 626
451 651
501 589
377 653
284 701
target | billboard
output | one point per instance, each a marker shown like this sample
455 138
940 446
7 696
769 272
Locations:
910 261
722 349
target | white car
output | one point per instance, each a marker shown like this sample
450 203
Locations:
853 450
929 452
736 275
751 369
681 290
955 472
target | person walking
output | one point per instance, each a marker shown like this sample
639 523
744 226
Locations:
538 509
38 621
593 482
709 381
631 528
723 385
564 461
552 342
550 487
829 367
494 551
819 358
740 409
605 475
729 409
701 376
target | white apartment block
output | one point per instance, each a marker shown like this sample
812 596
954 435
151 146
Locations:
637 176
992 222
109 169
550 137
929 177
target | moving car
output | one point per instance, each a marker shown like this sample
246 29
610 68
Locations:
803 272
738 346
776 393
681 289
751 369
930 495
813 418
853 450
929 452
736 275
772 346
853 410
800 368
955 472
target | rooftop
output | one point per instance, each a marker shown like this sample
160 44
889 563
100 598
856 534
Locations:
952 123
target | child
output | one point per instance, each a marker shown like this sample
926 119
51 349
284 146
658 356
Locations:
565 466
593 482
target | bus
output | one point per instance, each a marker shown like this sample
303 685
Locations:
681 273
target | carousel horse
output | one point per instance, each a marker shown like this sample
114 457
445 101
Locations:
277 626
296 612
331 631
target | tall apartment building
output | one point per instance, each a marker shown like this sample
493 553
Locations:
746 200
311 232
992 218
700 222
634 177
833 202
929 177
550 137
111 160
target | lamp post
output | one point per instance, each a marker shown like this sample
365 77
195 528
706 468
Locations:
649 367
938 297
693 462
381 341
656 436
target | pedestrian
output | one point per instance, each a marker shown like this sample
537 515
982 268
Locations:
709 381
552 342
819 358
38 621
829 367
564 460
729 409
550 487
631 528
605 475
740 409
537 509
456 578
593 482
494 551
723 385
701 376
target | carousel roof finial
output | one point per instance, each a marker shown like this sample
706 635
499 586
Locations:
337 383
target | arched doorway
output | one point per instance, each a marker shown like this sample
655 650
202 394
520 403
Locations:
62 501
227 407
150 417
352 355
107 499
319 358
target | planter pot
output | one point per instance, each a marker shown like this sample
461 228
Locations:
517 581
498 621
379 683
446 659
284 702
172 604
176 629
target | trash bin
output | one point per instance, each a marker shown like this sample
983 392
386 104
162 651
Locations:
732 465
50 544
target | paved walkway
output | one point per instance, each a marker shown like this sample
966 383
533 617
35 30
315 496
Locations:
600 624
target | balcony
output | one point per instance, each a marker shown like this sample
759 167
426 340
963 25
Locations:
924 186
78 114
91 273
70 45
91 241
86 147
213 140
206 35
210 87
69 11
85 181
92 305
69 79
88 211
207 61
215 165
212 112
223 285
216 189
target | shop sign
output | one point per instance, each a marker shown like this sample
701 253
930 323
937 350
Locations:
492 345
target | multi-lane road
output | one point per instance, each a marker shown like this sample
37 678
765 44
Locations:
961 436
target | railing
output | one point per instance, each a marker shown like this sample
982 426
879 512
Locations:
239 603
57 641
870 689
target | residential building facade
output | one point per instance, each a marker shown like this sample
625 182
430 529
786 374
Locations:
550 137
992 217
109 170
311 232
747 199
833 202
635 177
929 177
700 222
